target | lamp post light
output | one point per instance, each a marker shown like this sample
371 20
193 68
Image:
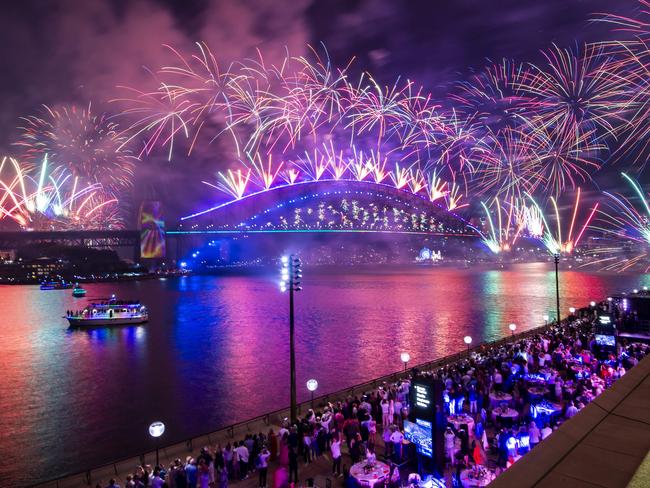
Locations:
312 384
556 258
468 341
572 310
512 328
405 357
290 280
156 429
592 304
545 317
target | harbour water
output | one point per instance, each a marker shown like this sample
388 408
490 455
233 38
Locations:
216 350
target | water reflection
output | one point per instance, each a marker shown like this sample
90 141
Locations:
216 350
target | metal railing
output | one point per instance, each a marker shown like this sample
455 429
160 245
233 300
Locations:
186 446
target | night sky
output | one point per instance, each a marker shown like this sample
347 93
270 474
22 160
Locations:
67 51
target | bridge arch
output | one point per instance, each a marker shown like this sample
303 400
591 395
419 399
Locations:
255 211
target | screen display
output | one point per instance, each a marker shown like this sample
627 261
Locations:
152 231
422 399
606 340
419 433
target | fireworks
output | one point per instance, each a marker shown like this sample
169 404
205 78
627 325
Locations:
494 96
512 131
87 146
634 58
505 228
577 92
629 223
41 198
554 242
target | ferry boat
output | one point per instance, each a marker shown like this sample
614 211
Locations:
109 312
77 291
56 285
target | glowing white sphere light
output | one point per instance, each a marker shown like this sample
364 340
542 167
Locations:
156 429
312 384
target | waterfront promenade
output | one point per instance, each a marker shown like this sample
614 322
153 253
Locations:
319 470
118 469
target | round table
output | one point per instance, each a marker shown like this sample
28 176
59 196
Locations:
537 391
497 398
508 413
581 370
547 372
375 473
458 420
467 478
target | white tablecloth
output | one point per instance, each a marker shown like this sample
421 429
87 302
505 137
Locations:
467 481
458 420
379 472
498 399
510 413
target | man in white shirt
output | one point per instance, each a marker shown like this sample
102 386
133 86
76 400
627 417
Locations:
396 438
571 410
533 434
335 449
243 454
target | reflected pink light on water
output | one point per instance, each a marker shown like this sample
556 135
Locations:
216 350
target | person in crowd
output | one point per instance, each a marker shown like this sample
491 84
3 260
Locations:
335 450
450 445
262 465
293 461
203 472
534 434
243 454
478 454
157 481
397 438
571 410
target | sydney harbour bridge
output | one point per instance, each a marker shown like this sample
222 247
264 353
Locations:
313 207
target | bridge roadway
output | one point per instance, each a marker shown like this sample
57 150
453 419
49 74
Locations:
101 239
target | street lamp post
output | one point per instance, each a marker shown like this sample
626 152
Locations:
556 258
512 328
312 384
468 341
291 280
156 429
405 357
545 317
572 310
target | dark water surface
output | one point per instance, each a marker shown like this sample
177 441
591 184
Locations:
216 350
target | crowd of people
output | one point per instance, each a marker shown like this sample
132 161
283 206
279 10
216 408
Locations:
503 401
500 402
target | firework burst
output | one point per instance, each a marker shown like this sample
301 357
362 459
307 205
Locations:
90 147
578 91
552 237
45 198
505 227
628 221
